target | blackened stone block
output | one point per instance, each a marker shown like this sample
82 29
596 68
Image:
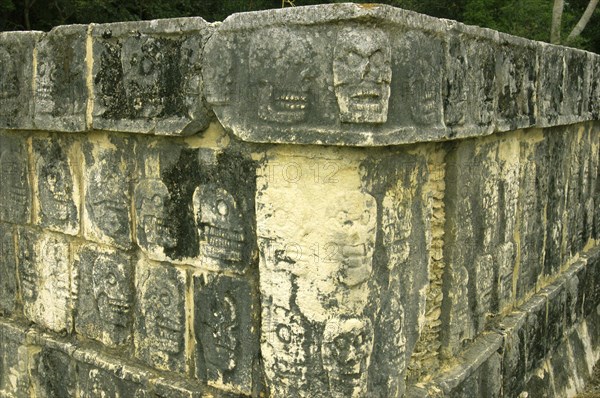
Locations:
308 86
15 189
45 279
105 297
54 374
147 76
517 80
16 63
8 270
108 175
556 296
93 382
227 340
60 91
574 281
576 94
160 325
592 283
536 332
57 184
551 87
514 354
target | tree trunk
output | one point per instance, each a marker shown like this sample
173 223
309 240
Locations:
557 11
585 18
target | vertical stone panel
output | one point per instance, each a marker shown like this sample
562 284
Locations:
226 332
15 189
105 296
57 184
160 333
316 235
517 81
550 93
108 174
45 279
8 270
16 63
60 92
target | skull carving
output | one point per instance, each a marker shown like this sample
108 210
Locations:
111 290
108 203
362 74
282 72
151 198
13 188
8 79
220 224
346 350
56 190
28 273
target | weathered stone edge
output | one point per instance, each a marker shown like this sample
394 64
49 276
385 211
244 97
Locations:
149 379
468 366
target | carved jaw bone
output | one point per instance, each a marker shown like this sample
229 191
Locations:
278 105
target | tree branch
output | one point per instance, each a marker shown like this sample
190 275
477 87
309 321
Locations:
585 18
557 11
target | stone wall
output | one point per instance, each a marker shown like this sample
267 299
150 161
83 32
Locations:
329 201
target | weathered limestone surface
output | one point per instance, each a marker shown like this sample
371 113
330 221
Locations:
329 201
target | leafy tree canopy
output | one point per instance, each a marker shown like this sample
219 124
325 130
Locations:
527 18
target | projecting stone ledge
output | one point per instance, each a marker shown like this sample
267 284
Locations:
342 74
359 75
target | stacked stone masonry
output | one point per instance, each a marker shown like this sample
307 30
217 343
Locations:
330 201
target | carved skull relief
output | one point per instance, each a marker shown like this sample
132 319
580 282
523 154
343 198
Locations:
362 74
46 80
108 203
13 188
220 333
141 61
56 189
28 274
111 290
164 319
220 224
151 198
281 63
346 350
9 84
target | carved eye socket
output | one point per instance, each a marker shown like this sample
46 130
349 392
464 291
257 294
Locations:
284 334
222 207
359 340
341 343
354 59
377 58
157 200
165 299
111 279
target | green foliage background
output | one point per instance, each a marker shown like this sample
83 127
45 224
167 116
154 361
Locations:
527 18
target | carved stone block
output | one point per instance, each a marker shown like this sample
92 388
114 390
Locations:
15 191
105 297
147 76
160 328
551 87
44 277
14 367
536 332
517 81
54 374
577 85
60 91
8 270
227 342
16 63
93 382
57 185
328 81
470 89
108 174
